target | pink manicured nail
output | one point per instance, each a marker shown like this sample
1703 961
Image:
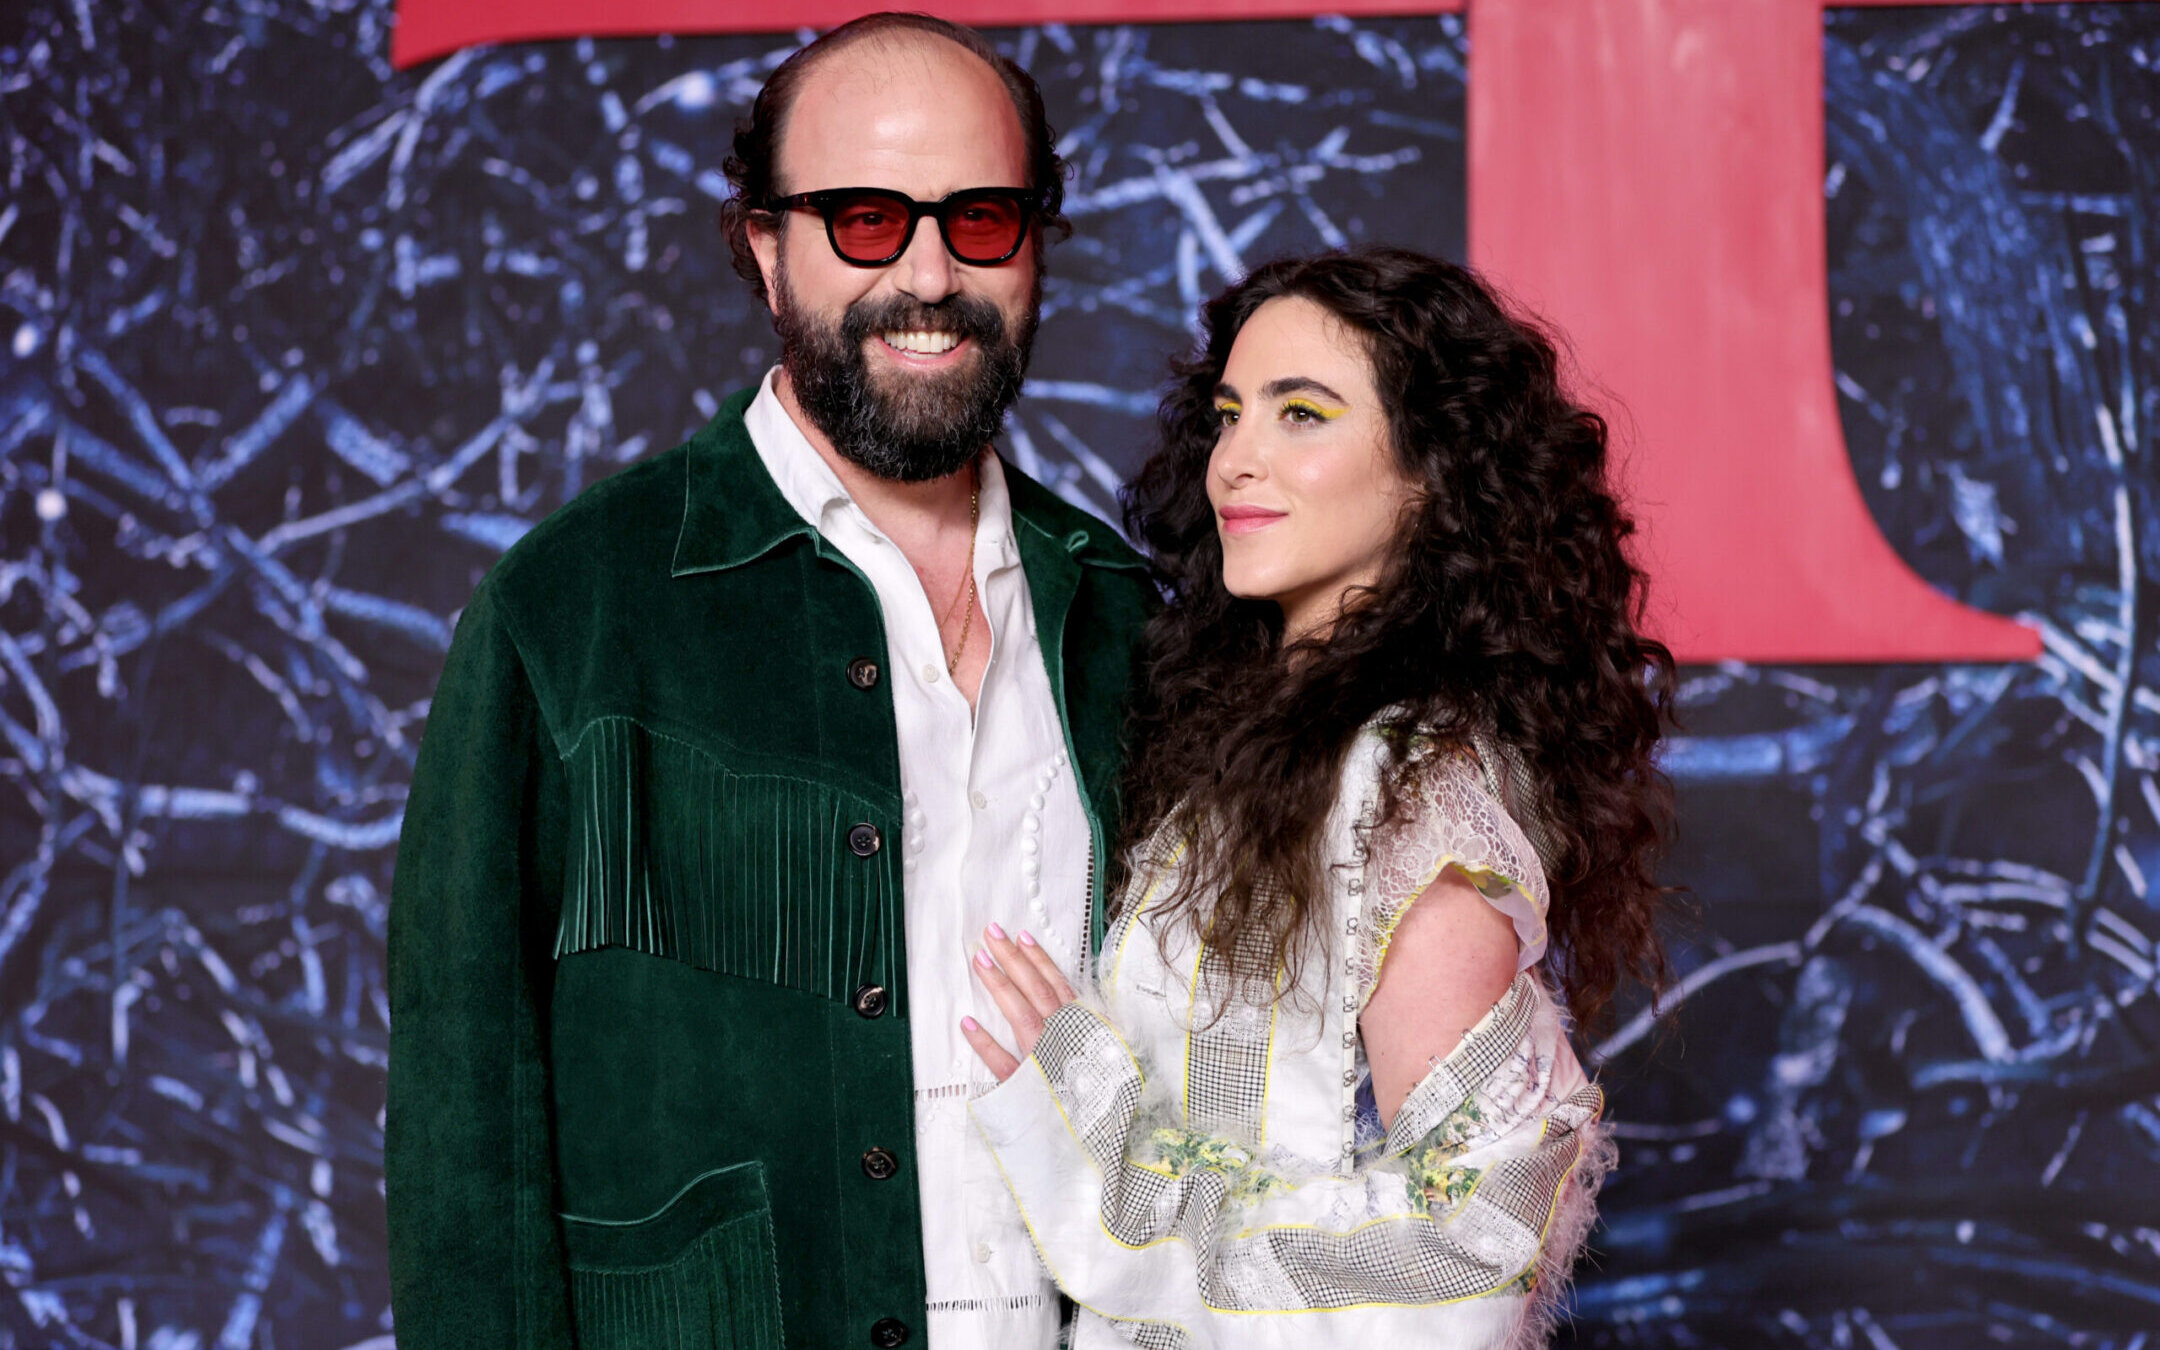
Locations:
970 1024
1027 939
983 959
997 932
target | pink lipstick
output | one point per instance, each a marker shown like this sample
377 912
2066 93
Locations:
1247 519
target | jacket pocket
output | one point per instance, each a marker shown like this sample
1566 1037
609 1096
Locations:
697 1274
760 875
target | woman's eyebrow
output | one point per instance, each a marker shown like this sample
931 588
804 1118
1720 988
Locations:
1228 393
1300 384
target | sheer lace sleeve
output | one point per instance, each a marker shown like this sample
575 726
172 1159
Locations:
1455 820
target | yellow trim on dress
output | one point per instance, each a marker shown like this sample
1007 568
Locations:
1384 933
1267 1067
1043 1252
1132 921
1192 1001
1544 1233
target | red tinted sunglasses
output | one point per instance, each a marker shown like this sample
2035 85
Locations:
870 227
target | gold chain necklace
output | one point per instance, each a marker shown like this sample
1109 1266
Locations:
967 625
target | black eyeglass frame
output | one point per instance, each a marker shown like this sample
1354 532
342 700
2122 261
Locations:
827 201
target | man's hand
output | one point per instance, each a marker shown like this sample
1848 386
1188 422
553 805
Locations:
1027 987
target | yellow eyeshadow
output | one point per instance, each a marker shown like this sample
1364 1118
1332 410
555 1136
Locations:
1319 410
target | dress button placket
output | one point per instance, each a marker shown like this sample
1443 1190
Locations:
1355 887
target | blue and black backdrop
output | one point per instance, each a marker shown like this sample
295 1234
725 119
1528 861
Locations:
292 346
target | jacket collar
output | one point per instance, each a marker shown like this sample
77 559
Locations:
733 512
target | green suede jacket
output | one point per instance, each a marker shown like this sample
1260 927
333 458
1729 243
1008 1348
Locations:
649 1077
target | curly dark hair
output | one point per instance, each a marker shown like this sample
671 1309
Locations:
753 169
1509 621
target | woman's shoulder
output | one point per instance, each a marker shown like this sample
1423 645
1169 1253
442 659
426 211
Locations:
1451 811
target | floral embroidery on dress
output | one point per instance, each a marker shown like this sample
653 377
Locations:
1442 1184
1435 1178
1178 1151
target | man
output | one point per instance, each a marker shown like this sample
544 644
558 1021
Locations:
733 761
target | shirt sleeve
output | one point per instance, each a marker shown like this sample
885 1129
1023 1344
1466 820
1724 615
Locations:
476 1254
1479 1196
1453 820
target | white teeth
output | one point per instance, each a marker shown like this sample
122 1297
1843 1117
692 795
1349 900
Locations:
921 343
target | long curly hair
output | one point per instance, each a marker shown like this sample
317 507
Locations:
1508 620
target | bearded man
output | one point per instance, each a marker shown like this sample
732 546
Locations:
733 759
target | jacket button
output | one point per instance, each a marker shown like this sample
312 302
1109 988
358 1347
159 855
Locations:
888 1332
862 672
870 1001
879 1164
864 840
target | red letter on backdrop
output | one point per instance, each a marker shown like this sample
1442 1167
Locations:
1648 174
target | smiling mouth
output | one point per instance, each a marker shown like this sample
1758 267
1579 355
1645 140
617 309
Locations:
921 342
1247 519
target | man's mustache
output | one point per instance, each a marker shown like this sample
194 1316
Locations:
963 315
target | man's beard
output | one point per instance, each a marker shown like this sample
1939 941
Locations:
932 425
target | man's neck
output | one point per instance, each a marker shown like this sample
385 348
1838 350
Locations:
912 515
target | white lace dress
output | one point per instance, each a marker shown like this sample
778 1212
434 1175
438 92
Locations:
1199 1181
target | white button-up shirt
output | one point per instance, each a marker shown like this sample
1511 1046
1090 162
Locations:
994 832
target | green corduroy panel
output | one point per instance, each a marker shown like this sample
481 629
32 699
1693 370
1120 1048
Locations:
750 875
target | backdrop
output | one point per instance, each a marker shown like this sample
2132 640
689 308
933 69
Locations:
292 346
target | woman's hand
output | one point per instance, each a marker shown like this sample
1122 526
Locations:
1026 986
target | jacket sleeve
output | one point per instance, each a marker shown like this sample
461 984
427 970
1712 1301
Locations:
1479 1195
476 1258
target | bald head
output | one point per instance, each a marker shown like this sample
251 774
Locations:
893 105
845 92
908 109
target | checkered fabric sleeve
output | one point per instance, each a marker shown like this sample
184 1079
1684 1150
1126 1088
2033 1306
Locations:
1177 1239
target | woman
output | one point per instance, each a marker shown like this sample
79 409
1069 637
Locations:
1393 786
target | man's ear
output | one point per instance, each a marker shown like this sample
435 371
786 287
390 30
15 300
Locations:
764 233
